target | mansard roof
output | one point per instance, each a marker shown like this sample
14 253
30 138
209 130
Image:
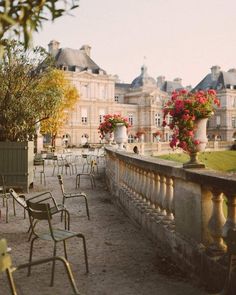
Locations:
220 81
170 86
75 59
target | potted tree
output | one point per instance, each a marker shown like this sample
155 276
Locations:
29 95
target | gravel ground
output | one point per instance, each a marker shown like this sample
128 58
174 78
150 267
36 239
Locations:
122 261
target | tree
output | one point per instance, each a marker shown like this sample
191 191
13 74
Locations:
23 17
54 124
26 97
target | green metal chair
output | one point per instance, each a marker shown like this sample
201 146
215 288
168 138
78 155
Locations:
39 198
5 196
90 173
6 266
67 195
39 212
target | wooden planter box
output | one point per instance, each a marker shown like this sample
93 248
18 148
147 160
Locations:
16 164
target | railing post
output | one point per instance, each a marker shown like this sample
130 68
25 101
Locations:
231 217
216 222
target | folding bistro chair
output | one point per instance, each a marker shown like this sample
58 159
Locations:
5 197
39 212
90 174
6 266
46 196
67 195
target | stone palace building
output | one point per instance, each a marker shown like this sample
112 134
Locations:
141 101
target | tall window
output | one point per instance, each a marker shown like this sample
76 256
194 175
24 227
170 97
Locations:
234 122
84 90
84 115
217 121
131 119
157 120
101 114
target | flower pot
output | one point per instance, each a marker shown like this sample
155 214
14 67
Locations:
109 137
200 135
120 135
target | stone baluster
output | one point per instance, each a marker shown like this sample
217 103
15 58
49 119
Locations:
162 196
168 201
216 222
156 194
133 180
143 185
152 191
148 189
231 217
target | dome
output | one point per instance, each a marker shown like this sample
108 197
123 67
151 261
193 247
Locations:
143 79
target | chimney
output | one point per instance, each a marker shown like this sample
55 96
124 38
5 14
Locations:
53 47
160 80
215 71
86 49
178 80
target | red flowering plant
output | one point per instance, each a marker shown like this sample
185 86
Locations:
185 108
157 134
109 123
139 133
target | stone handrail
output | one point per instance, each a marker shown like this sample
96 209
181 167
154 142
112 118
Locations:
181 209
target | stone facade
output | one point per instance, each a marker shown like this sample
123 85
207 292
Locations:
141 101
222 125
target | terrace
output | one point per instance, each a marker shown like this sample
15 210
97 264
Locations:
163 212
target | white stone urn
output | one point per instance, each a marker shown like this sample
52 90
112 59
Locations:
200 135
109 137
120 135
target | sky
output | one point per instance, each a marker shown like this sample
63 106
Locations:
173 38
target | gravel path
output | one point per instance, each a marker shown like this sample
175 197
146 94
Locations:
122 260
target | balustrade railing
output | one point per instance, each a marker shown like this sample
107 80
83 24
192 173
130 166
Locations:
198 206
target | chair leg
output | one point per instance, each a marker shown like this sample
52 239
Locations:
11 282
53 264
14 206
31 255
44 176
87 208
85 251
7 210
64 244
67 220
54 167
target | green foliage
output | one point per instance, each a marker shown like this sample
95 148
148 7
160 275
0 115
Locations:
222 161
23 17
58 118
26 97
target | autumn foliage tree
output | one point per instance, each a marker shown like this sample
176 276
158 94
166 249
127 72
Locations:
54 124
29 95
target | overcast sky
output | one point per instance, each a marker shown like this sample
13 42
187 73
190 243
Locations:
179 38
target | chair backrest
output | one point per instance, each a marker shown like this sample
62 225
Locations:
21 201
38 212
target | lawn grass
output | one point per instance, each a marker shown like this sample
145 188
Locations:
221 161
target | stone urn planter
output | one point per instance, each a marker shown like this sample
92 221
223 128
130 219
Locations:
201 136
109 137
120 135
